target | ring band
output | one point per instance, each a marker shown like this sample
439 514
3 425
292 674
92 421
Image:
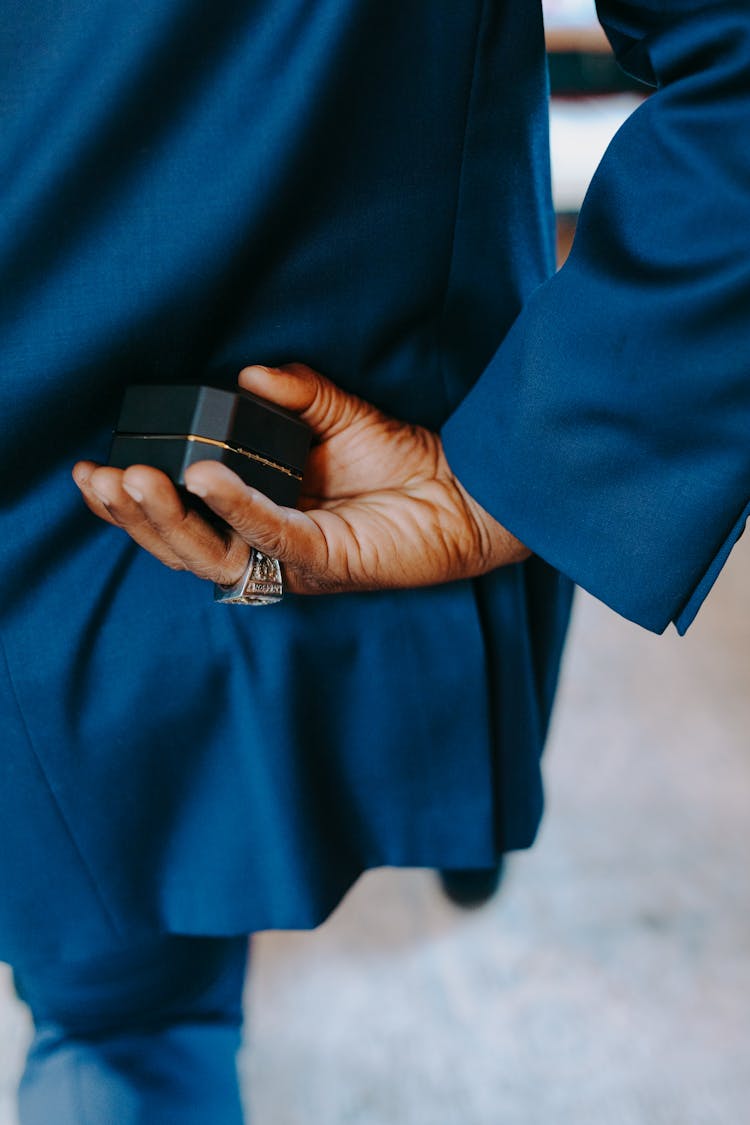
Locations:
261 584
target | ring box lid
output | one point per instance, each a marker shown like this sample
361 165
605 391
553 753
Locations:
236 417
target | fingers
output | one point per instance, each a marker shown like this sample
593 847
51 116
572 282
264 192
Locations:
209 552
82 473
145 504
282 533
326 408
103 492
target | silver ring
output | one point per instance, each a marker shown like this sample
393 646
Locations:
261 584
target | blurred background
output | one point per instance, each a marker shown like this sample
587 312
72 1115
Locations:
591 97
608 983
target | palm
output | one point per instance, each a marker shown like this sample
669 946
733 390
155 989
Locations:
387 510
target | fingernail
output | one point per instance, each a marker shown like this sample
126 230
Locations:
133 492
197 489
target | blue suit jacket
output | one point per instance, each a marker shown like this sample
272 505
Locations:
362 186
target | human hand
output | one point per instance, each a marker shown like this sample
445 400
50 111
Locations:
380 507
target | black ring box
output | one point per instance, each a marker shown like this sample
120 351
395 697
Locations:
170 427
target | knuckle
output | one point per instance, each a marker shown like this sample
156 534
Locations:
266 539
236 515
270 543
168 524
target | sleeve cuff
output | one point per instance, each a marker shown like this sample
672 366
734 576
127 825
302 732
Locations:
685 618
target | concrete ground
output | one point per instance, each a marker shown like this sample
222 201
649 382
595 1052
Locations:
609 983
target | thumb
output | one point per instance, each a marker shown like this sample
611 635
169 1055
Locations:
326 408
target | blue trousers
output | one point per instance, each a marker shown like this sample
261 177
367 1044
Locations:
147 1037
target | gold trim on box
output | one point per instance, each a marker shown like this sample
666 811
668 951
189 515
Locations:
220 445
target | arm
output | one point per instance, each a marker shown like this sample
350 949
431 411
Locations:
611 431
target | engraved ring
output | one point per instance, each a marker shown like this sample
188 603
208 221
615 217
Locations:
261 584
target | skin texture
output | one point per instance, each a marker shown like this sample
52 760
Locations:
380 507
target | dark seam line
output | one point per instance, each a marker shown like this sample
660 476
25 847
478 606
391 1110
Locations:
440 324
55 800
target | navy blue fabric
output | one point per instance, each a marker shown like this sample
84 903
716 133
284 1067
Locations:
136 1038
359 185
362 186
622 392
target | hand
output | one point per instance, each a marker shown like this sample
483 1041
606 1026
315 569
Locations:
380 507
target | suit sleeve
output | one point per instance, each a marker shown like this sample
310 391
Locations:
611 430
